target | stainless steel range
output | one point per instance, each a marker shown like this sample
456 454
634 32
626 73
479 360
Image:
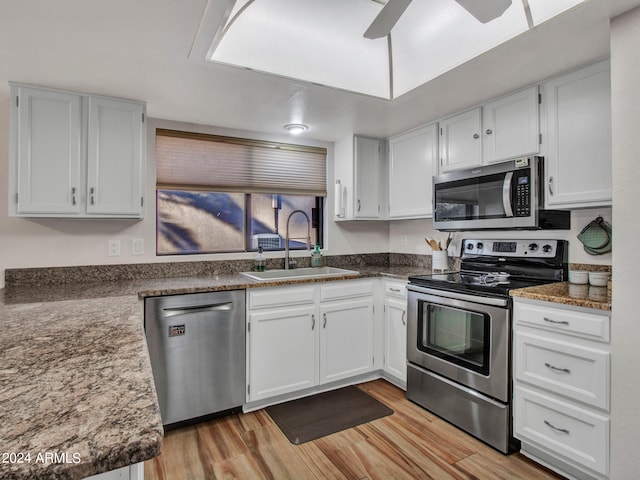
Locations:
459 332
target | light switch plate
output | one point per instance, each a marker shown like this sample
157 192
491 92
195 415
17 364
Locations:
137 246
113 248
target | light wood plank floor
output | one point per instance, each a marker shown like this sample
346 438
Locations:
410 444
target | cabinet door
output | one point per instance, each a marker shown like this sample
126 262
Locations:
395 349
346 339
116 145
511 126
413 160
46 151
367 178
283 351
578 153
461 141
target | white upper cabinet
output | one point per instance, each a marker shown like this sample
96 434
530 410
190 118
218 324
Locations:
358 173
506 128
578 150
114 157
75 155
461 141
511 126
413 158
46 152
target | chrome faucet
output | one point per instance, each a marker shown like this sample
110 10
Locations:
286 240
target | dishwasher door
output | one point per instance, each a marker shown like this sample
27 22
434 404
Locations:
197 350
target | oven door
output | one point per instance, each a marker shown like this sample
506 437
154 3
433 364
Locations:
461 337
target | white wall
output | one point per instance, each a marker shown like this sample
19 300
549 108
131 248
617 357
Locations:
625 324
414 231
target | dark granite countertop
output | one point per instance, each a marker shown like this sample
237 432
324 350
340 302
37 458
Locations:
75 377
76 390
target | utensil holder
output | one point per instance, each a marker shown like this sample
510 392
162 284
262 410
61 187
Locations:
439 261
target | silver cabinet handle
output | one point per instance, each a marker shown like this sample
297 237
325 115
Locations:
561 430
313 322
73 195
358 204
557 369
475 135
324 316
404 313
92 198
556 322
550 184
489 131
395 289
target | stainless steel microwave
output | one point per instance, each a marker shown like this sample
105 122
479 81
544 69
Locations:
506 195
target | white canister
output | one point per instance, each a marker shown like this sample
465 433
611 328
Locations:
439 261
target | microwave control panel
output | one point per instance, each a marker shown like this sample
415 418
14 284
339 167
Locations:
522 207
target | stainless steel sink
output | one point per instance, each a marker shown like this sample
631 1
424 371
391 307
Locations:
292 274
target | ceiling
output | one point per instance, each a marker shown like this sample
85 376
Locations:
322 41
152 50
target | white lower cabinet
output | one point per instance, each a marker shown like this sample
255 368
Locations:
346 339
562 386
303 336
395 333
132 472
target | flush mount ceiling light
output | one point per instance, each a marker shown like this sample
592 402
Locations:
322 42
296 128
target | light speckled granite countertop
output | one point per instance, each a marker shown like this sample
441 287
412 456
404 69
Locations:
75 378
76 390
568 294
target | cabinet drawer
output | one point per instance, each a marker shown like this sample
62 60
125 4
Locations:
562 430
571 322
281 296
396 289
349 289
561 367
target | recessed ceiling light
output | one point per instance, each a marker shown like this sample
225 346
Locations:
296 128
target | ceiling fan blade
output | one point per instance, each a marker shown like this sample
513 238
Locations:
485 10
386 19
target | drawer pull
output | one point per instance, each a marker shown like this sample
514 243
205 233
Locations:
395 289
556 322
557 369
559 430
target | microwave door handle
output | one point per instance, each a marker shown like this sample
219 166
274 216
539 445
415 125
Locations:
506 194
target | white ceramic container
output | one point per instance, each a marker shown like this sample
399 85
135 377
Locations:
579 277
599 279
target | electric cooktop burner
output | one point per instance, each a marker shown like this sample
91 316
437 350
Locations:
493 267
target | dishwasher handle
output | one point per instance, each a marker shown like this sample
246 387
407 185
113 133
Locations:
214 307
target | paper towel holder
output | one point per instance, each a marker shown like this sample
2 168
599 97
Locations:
339 200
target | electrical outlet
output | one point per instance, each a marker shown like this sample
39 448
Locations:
137 246
113 248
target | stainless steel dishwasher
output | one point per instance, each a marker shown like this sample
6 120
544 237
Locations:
197 350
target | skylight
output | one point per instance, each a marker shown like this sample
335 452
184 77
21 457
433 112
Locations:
321 41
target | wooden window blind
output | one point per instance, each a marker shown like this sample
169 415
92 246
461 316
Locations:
193 161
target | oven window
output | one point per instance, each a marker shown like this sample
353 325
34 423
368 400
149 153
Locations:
456 335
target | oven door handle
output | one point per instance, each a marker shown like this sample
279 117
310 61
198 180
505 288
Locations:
506 194
498 302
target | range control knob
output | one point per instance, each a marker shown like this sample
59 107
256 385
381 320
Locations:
480 245
546 248
533 247
469 246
